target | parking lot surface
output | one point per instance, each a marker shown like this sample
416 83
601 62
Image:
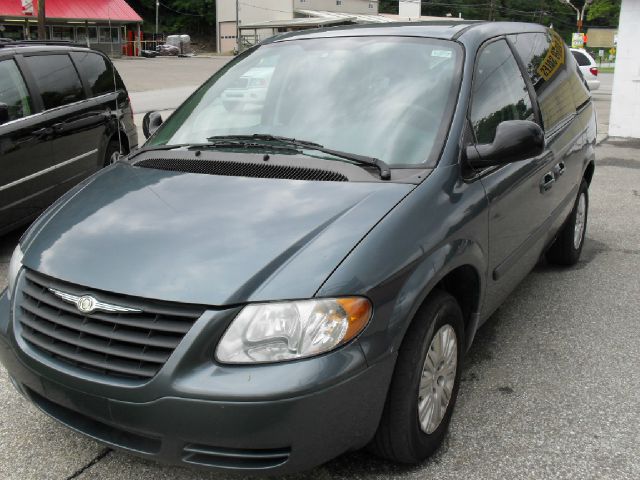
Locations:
550 386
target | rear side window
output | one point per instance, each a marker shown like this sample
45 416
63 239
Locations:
56 78
581 58
13 91
554 75
499 92
96 70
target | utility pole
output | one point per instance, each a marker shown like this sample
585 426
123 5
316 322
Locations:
491 11
42 33
238 26
579 12
157 15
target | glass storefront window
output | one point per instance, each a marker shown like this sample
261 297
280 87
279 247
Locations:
81 36
62 33
109 35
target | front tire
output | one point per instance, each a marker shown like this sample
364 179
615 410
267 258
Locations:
111 154
425 383
567 247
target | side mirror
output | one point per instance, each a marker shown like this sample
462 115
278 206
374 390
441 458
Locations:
150 123
515 140
4 113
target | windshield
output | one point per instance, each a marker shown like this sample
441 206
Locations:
389 98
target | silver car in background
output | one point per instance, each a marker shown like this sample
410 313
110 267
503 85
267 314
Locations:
588 67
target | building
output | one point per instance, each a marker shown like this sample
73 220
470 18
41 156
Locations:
600 37
249 12
108 25
260 19
625 101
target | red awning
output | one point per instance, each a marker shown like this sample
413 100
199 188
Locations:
101 10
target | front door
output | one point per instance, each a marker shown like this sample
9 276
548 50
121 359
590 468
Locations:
69 124
22 151
519 193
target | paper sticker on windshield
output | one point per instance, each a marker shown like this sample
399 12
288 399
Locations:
441 53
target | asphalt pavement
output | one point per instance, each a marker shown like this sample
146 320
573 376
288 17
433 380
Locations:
161 84
550 386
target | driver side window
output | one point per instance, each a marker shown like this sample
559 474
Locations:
499 92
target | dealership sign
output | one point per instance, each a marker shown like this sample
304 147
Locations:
577 40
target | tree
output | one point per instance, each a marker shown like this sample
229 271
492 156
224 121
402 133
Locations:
606 12
195 17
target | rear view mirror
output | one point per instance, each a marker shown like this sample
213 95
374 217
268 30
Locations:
515 140
150 123
4 113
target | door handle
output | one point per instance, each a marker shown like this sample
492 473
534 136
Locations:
547 182
559 169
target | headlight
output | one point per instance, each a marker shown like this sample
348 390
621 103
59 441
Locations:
276 332
14 267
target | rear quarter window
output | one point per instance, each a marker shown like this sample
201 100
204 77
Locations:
581 58
56 78
96 70
554 74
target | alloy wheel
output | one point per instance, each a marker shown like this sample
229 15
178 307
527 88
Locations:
437 379
581 214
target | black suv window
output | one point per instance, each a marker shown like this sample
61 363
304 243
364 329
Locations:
56 78
499 92
96 70
555 77
581 58
13 91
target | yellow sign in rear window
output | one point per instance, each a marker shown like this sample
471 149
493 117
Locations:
553 59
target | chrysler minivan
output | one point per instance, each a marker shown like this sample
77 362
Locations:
262 289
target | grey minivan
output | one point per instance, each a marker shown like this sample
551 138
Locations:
263 288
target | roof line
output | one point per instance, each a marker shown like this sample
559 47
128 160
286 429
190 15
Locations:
469 26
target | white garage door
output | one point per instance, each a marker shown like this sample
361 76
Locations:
227 36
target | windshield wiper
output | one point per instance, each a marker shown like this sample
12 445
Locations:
385 171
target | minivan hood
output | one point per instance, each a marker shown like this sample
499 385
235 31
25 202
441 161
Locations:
205 239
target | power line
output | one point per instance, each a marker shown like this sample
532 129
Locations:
181 13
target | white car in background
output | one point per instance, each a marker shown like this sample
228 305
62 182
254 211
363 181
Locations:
588 67
249 89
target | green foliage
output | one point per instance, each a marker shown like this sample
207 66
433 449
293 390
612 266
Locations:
388 6
606 12
193 17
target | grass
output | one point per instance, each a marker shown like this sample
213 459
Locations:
606 69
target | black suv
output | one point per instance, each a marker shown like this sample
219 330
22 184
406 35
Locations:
64 113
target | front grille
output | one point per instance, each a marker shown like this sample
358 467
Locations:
129 345
241 169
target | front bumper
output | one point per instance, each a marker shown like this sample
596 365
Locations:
273 418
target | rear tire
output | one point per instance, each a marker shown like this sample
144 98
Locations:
405 434
567 247
112 153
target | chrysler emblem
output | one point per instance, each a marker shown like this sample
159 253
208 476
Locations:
88 304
